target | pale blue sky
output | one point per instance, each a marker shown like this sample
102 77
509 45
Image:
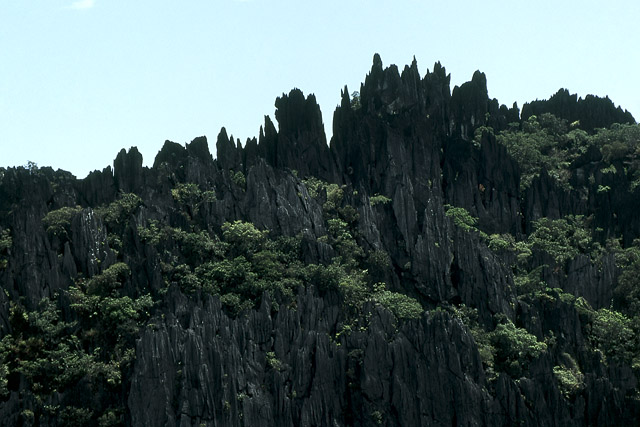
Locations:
81 80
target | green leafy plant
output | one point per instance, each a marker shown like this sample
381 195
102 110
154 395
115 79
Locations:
529 281
627 292
378 263
335 195
109 280
243 237
4 372
273 362
570 378
612 333
239 179
314 186
341 238
6 242
609 169
501 243
461 218
191 198
353 288
235 303
402 306
196 246
469 317
152 233
58 222
543 143
563 239
109 319
355 101
117 213
53 357
377 417
515 348
379 199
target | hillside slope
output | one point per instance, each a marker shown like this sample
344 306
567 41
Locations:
441 262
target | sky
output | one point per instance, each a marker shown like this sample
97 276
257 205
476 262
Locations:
80 80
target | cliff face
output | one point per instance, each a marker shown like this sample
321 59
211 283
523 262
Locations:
592 112
414 191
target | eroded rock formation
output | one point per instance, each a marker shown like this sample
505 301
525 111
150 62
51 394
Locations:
411 143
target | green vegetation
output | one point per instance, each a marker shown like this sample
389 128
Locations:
355 100
461 218
6 242
627 292
81 341
469 317
377 417
621 142
502 243
90 354
191 198
32 167
544 142
273 362
239 179
332 198
353 274
116 214
107 316
570 378
314 186
514 348
244 262
58 222
464 220
379 199
238 266
612 333
244 237
507 348
547 142
402 306
557 241
4 372
333 202
562 239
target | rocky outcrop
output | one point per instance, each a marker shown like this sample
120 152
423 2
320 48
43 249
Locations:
282 369
400 153
469 105
127 171
592 112
300 143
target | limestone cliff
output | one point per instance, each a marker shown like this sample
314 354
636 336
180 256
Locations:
277 284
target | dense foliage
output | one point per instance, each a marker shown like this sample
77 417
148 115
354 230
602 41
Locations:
549 145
